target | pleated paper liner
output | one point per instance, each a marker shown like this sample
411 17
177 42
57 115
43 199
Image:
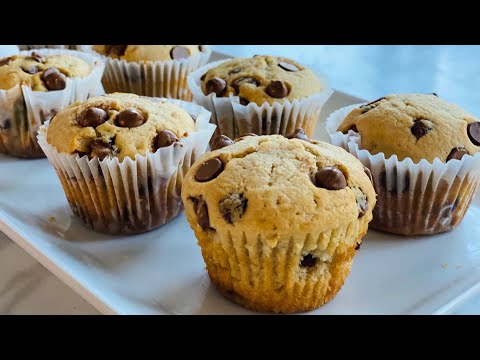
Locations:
234 119
22 110
270 277
131 196
152 78
413 198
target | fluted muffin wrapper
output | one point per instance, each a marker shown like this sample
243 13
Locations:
266 274
131 196
234 119
23 110
152 78
412 198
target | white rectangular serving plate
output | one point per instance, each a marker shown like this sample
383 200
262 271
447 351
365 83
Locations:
162 271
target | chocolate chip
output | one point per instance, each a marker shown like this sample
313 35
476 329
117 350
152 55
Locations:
277 89
369 173
216 85
30 69
330 178
221 141
202 48
118 50
233 207
100 149
201 210
372 102
6 61
54 79
420 128
203 77
473 131
308 261
165 138
179 52
209 170
129 118
243 80
244 101
37 57
434 94
299 133
234 71
457 154
6 125
287 66
357 247
93 116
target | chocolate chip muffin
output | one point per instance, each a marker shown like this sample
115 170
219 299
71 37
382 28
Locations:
415 126
264 95
278 220
34 86
261 79
121 158
424 154
150 70
148 52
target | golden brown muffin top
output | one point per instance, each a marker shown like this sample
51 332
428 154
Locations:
415 126
277 186
41 72
261 79
118 125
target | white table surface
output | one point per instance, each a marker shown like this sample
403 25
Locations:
26 287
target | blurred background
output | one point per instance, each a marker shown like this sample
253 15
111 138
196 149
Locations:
372 71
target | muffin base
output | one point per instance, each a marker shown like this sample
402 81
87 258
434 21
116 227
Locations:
423 212
137 206
267 276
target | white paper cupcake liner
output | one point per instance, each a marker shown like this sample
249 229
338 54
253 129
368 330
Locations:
413 198
23 110
234 119
166 79
131 196
266 276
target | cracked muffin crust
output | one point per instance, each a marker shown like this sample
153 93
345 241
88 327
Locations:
118 125
276 216
41 72
148 52
261 79
415 126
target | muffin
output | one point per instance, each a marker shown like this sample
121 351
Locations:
264 95
121 158
34 86
278 220
150 70
424 155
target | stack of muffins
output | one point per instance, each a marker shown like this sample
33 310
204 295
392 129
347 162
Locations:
278 215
